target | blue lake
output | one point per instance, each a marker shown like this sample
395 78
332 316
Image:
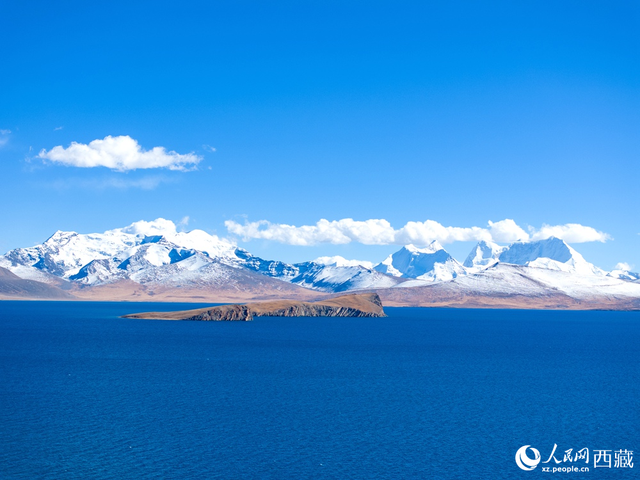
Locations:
424 393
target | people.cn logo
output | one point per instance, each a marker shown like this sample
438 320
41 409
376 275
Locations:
523 460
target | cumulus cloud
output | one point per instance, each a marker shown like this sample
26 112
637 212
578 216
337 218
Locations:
120 153
571 233
347 230
336 232
4 137
623 266
380 232
507 231
159 226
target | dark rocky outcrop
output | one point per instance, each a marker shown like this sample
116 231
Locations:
356 305
222 313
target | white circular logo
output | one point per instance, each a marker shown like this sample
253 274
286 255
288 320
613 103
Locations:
524 462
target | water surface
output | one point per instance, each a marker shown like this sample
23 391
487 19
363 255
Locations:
424 393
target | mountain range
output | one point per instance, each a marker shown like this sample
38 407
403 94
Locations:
153 261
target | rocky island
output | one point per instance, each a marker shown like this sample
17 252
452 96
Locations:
354 305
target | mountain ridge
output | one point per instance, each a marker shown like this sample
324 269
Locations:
153 261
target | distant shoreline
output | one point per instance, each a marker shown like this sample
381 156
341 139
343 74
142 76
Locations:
212 303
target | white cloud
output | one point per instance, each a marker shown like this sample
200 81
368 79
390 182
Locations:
422 233
347 230
4 137
623 266
380 232
571 233
159 226
507 231
118 153
322 232
57 128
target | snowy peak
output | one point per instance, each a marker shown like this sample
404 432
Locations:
338 261
432 263
551 253
484 254
60 237
154 231
65 254
433 247
520 253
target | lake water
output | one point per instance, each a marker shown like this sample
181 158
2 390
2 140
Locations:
424 393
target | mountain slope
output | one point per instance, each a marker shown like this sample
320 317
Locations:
186 281
14 287
331 278
514 286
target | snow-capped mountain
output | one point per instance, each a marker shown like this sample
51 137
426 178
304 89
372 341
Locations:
336 276
64 254
484 254
142 258
516 279
541 274
551 254
505 285
432 263
154 252
147 259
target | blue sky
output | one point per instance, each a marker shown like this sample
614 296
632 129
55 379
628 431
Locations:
456 112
